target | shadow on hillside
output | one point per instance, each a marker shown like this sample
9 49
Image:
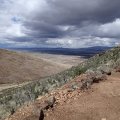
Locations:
82 52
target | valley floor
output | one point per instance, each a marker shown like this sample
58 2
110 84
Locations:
18 68
66 61
101 102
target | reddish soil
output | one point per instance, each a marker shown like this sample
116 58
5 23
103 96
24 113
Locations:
101 102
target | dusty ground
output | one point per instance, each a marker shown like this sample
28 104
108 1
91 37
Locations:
65 60
101 102
22 67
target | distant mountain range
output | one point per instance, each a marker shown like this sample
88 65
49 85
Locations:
84 52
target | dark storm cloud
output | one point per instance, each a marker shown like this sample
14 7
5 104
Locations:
75 13
67 12
41 29
62 22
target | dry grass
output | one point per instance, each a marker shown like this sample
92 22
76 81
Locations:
22 67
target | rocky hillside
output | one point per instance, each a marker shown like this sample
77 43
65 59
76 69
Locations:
96 69
21 67
99 102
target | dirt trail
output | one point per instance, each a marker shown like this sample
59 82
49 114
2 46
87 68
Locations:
101 102
7 86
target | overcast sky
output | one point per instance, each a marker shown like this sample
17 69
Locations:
59 23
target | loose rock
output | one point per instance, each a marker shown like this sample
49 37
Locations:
50 102
41 115
86 83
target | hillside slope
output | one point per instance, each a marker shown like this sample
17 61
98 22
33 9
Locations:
101 102
21 67
12 99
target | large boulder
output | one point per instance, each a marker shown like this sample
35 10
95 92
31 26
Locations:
92 77
41 117
49 103
105 69
96 75
51 100
86 83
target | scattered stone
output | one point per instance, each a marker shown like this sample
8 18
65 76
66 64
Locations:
95 76
12 111
117 69
50 102
40 97
70 90
75 86
86 83
41 115
92 77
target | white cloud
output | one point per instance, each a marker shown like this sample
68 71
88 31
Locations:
110 29
82 42
15 30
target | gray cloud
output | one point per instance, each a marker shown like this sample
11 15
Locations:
66 23
74 12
